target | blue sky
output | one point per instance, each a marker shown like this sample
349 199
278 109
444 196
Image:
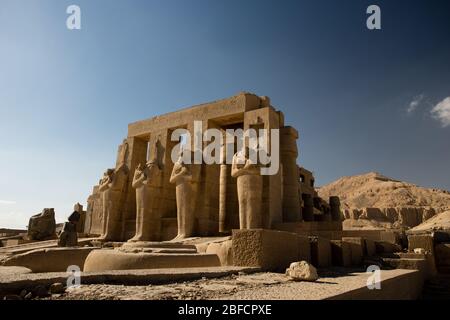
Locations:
360 99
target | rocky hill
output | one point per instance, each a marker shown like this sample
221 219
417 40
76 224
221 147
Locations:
385 202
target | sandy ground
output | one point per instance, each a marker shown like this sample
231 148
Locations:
259 286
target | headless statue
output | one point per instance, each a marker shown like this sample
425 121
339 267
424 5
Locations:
249 188
142 180
111 187
182 177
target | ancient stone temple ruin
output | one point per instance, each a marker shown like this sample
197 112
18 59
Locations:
158 209
148 197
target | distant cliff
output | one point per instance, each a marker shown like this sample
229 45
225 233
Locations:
372 200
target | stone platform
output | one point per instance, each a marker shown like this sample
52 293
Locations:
116 259
13 281
216 283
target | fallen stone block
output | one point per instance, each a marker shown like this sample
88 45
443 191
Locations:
112 259
42 226
50 259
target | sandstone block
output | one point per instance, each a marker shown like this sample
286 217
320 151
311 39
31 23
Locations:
42 225
443 256
370 248
341 254
106 259
50 260
320 252
304 249
421 241
389 236
387 247
266 249
356 248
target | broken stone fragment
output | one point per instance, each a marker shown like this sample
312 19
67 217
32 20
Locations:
302 271
42 226
57 288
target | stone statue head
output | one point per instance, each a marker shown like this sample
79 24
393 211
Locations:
74 217
152 167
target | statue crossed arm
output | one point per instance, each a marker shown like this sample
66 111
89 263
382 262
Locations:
107 181
182 177
140 177
180 171
241 165
249 188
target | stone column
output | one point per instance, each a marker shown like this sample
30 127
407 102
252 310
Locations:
335 208
289 153
308 207
223 198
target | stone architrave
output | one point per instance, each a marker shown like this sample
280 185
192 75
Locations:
249 188
182 177
111 187
143 177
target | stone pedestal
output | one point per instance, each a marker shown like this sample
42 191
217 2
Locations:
269 250
104 260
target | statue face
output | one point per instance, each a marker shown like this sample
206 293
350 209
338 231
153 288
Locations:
152 168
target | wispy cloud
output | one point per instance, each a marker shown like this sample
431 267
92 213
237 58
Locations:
7 202
416 101
441 112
